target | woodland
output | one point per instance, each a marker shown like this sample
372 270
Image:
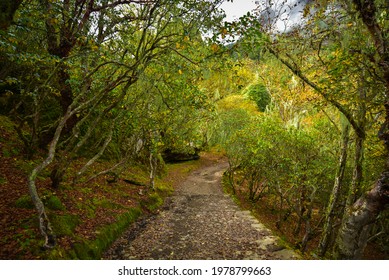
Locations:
98 98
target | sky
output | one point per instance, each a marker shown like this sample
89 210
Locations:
238 8
288 10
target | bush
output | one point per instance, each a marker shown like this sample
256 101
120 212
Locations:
268 156
259 94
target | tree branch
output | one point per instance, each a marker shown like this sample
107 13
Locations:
297 71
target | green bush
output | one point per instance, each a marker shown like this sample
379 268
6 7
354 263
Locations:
268 156
260 95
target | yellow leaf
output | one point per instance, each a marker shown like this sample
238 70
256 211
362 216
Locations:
214 47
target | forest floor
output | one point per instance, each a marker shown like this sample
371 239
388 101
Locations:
200 222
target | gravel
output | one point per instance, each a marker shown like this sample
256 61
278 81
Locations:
200 222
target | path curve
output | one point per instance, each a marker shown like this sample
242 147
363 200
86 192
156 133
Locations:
199 222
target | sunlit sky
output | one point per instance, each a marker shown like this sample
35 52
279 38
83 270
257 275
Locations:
286 13
238 8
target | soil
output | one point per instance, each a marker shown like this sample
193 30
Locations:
199 222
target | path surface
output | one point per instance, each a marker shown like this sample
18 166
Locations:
199 222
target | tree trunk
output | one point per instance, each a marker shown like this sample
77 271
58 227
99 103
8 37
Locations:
308 229
329 216
44 223
66 97
353 234
357 173
153 169
96 157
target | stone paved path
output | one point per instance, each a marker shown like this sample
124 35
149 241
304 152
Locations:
200 222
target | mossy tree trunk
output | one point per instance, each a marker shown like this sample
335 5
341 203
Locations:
44 223
354 233
334 197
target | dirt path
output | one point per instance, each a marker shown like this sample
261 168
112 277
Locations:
200 222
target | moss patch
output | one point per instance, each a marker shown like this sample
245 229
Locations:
24 202
64 224
107 234
54 203
152 202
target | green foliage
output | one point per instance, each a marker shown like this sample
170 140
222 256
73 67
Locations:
260 95
269 156
227 124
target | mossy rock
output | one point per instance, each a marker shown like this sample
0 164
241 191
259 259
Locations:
24 202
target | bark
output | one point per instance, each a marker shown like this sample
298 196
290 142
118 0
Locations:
44 222
353 235
357 173
96 157
334 197
308 228
153 170
111 169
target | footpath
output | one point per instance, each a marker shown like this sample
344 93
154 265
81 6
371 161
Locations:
200 222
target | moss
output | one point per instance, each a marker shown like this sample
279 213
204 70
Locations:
54 203
3 180
107 234
152 202
64 224
24 202
106 203
165 188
